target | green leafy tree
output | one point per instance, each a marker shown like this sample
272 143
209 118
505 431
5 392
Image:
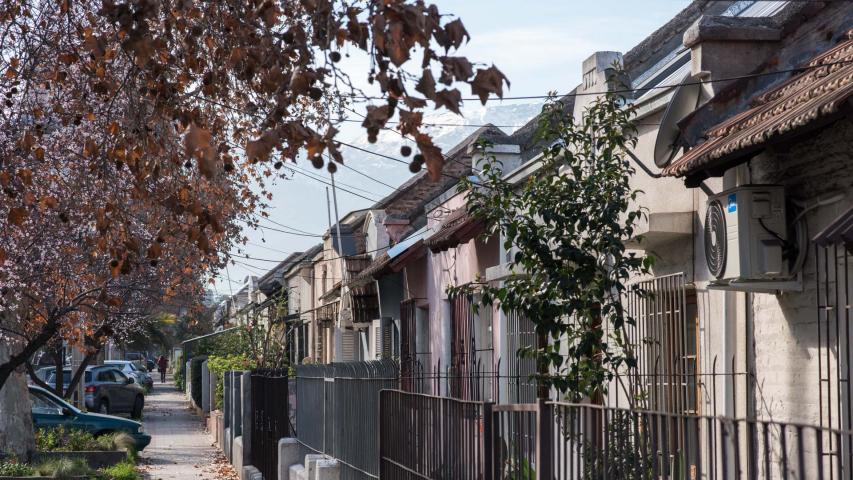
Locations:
567 226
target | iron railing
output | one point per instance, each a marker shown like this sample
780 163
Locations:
270 418
429 437
343 412
481 382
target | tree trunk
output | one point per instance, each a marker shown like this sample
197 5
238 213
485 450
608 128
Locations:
58 365
16 421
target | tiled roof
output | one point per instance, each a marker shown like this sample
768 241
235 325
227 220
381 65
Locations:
809 97
457 228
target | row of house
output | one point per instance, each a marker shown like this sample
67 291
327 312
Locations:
744 157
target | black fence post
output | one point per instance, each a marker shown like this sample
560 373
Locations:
544 420
489 442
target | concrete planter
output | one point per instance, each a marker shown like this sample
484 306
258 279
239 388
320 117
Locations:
95 460
36 478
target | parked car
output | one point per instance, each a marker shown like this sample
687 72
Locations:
108 390
141 360
51 411
130 369
43 372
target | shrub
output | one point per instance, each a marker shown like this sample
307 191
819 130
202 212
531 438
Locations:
60 439
15 469
121 471
179 372
218 365
64 468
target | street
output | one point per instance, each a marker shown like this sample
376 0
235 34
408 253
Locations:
180 447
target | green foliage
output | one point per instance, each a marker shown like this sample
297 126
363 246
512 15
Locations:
179 372
60 439
622 457
64 468
121 471
234 342
567 225
220 365
11 468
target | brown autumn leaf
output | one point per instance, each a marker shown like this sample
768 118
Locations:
426 84
90 148
26 176
432 155
2 256
449 99
410 122
17 216
487 81
456 34
48 202
458 68
376 117
197 143
154 251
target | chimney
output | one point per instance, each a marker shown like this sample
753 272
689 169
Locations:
396 226
727 47
506 156
598 72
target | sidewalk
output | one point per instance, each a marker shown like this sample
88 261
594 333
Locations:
180 448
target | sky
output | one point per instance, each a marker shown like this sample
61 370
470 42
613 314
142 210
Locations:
538 44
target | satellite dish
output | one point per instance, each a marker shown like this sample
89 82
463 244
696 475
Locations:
684 101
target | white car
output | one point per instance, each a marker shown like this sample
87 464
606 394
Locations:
130 369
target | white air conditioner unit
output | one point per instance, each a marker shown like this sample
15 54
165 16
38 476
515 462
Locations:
381 338
745 235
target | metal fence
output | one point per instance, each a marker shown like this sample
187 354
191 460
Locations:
482 382
270 418
429 437
343 412
425 436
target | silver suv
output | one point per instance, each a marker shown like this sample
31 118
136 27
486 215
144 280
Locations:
108 390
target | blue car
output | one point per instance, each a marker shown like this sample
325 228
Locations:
51 411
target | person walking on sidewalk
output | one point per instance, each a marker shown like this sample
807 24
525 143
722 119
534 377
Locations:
162 364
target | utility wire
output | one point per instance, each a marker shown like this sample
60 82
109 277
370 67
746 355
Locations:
653 87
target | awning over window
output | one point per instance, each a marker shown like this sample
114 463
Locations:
372 272
328 312
365 303
809 99
458 228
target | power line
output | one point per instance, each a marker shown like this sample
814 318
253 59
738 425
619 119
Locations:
292 228
654 87
337 187
337 182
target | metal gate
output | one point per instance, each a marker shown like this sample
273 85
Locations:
521 383
832 275
270 418
462 357
408 343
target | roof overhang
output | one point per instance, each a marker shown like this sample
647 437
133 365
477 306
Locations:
817 96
